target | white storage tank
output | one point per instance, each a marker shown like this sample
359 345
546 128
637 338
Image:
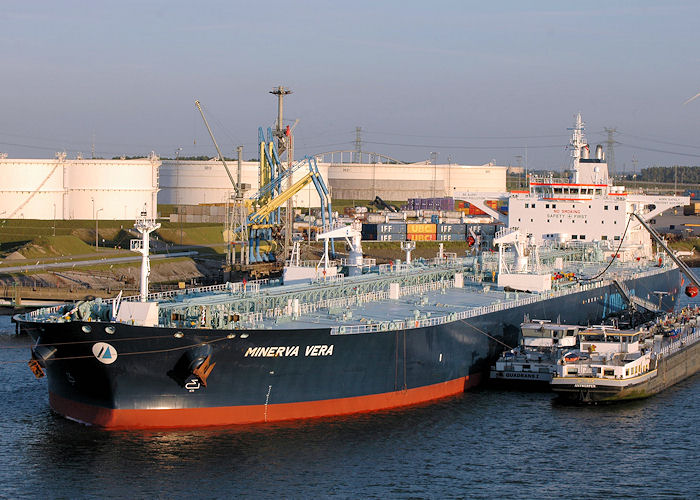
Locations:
390 181
111 189
79 188
31 189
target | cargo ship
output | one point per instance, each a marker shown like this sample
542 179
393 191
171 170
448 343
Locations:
619 365
372 338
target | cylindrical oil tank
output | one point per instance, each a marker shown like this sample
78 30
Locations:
111 189
31 189
398 182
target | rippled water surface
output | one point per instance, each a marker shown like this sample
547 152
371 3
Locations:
483 444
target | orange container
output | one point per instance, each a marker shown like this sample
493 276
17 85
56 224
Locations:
421 228
421 237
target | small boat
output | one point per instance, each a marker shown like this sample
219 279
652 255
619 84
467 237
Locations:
614 365
533 362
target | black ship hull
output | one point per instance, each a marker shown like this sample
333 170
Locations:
138 376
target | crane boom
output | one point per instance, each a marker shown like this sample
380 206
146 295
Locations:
659 240
221 156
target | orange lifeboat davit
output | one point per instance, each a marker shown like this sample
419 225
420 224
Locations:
691 290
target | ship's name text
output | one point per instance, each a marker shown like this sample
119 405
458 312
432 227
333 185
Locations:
290 350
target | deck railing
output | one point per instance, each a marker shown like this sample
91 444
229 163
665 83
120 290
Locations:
681 343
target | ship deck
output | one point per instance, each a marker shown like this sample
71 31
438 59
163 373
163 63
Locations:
395 298
425 296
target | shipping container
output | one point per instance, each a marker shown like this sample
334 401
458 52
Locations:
420 228
451 228
391 228
451 237
421 237
391 237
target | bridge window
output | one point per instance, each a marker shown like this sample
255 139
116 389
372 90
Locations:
554 206
605 207
582 237
617 207
574 237
598 191
547 205
604 237
527 205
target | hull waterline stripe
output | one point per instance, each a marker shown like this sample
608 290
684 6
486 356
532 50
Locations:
229 415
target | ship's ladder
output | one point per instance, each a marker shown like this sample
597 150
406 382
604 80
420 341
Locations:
632 299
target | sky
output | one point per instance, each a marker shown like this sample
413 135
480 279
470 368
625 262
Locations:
471 82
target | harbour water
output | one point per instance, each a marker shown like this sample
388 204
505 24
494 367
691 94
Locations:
482 444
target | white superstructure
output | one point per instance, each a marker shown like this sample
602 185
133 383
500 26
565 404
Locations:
64 188
583 206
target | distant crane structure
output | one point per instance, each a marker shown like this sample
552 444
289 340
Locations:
610 143
258 218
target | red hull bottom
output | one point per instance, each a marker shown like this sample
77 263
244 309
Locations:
230 415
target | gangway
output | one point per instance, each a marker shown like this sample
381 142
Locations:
634 300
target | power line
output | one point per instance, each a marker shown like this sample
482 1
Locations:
467 137
461 147
690 155
660 142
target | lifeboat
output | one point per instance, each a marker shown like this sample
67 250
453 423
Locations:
691 290
571 358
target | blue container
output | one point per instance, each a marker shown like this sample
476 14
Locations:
452 228
391 228
451 237
391 237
